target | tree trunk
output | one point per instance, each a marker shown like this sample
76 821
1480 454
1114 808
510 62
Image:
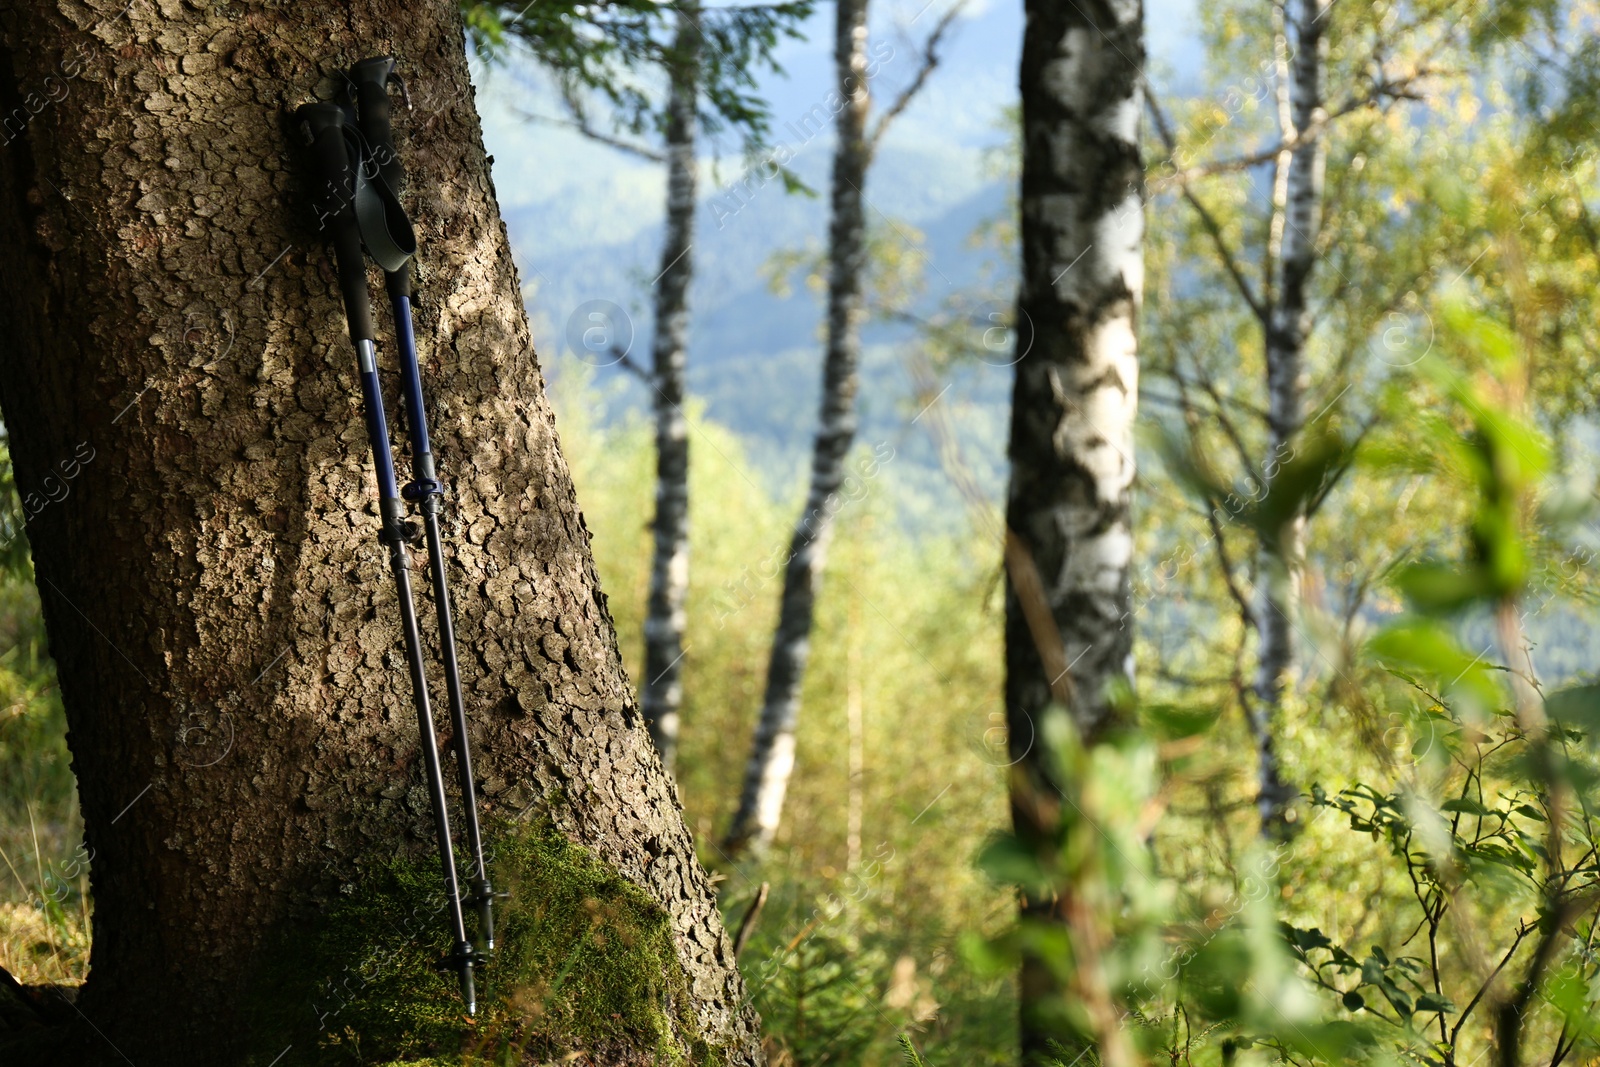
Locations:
216 599
766 776
1282 555
661 688
1069 635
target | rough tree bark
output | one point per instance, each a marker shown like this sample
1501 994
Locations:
1069 636
213 571
766 777
1281 559
661 688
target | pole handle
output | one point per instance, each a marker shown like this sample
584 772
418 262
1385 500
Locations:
370 79
385 227
335 161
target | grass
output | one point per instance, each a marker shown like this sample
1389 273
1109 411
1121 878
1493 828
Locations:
44 881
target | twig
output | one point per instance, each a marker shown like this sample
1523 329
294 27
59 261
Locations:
1229 261
1203 380
1508 1019
580 122
638 370
1523 930
930 60
1385 90
747 925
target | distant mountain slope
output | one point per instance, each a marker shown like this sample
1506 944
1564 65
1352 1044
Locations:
585 220
739 325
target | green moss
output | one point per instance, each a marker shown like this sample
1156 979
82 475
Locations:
585 962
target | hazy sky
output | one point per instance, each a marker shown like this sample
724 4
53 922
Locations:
959 109
585 219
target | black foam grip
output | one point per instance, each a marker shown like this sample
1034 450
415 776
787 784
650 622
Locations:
385 229
371 77
335 187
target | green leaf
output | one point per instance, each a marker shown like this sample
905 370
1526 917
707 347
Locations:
1578 706
1301 481
986 956
1396 996
1173 722
1306 940
1339 1041
1435 588
1428 648
794 185
1435 1002
1371 972
1569 992
1008 861
1218 974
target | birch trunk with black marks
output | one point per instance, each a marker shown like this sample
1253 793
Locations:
661 688
1281 559
215 573
1069 632
766 777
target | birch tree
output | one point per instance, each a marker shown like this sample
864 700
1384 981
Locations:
772 749
661 687
1279 298
708 65
1296 222
1069 541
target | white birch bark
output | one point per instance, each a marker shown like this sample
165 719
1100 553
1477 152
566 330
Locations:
1069 635
1282 553
661 687
771 761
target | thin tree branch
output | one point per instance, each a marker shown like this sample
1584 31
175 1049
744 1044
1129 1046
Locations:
747 925
1224 560
1230 262
1509 1019
1382 92
930 60
1223 419
637 369
580 122
1523 930
1331 479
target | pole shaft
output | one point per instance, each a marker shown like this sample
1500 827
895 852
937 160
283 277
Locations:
430 740
458 714
393 538
377 426
430 494
410 373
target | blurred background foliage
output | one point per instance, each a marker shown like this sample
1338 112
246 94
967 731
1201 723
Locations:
44 905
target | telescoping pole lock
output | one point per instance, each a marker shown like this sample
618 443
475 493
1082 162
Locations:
360 178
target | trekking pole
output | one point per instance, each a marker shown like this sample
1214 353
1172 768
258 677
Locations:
338 161
371 78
